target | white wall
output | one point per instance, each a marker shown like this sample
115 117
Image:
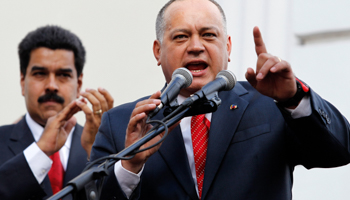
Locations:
118 36
325 66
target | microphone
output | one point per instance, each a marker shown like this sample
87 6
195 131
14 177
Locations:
225 80
181 78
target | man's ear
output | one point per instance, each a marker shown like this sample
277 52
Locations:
80 84
22 83
157 51
229 46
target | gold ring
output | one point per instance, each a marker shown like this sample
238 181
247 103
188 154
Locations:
279 59
98 112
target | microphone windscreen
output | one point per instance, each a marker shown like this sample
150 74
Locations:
185 73
229 77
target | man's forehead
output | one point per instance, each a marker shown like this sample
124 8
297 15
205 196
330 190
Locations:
47 59
47 55
48 52
195 8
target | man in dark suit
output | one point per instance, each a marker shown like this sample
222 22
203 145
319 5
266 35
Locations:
254 142
51 64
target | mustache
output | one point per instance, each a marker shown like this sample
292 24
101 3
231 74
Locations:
50 97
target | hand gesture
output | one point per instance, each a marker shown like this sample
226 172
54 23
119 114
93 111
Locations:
101 102
137 128
274 77
57 129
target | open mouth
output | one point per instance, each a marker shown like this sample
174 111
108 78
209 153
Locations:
196 67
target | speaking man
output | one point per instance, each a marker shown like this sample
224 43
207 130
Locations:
247 151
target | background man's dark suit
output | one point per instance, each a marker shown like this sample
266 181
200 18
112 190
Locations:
21 183
251 152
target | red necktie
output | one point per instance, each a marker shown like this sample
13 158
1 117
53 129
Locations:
199 130
56 173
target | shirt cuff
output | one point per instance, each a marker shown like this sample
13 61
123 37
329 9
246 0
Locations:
127 180
303 109
38 161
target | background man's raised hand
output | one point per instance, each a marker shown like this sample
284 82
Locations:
57 129
101 101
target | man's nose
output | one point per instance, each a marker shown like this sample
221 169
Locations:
195 45
51 84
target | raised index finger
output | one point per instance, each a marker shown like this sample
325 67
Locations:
259 42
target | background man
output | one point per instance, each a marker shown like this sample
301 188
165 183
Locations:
250 152
51 65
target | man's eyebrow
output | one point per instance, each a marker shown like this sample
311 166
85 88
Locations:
65 70
201 30
181 30
209 28
35 68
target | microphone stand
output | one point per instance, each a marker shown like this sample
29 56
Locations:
87 179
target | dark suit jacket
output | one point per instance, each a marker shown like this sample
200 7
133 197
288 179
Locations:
16 178
252 150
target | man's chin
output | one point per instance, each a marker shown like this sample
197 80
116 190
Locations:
49 113
186 92
197 85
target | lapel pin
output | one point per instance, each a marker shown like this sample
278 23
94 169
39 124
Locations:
233 107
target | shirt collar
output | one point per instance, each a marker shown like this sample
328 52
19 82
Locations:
37 130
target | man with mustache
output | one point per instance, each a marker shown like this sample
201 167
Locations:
250 145
47 148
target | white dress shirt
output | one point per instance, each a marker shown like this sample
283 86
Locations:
128 180
38 161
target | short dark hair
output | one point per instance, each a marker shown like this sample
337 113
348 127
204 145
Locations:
52 37
160 22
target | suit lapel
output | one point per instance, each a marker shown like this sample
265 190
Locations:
77 156
21 137
174 154
223 126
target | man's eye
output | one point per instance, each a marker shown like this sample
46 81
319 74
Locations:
208 35
39 73
180 37
64 75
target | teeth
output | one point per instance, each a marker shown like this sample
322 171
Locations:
196 70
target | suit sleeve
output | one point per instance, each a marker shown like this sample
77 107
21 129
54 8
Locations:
106 144
17 180
321 139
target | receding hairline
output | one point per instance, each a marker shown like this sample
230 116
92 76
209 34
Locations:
161 22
